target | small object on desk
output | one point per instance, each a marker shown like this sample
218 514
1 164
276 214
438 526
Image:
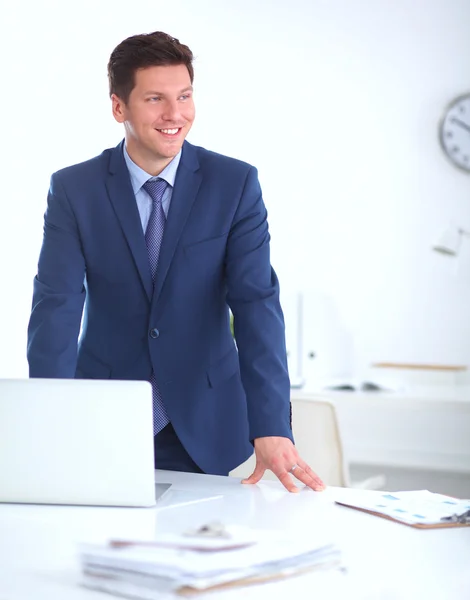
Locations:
365 386
370 386
211 530
344 387
464 518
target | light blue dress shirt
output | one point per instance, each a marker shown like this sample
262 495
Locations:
139 177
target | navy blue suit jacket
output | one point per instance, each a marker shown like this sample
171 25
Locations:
214 254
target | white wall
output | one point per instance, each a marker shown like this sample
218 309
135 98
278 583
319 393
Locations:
337 103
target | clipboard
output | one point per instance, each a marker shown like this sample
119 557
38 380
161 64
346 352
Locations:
418 509
439 525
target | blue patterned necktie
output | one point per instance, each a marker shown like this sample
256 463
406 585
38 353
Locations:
153 238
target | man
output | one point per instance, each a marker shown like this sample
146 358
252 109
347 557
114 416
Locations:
161 237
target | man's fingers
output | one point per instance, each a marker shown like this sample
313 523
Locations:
256 475
287 482
309 478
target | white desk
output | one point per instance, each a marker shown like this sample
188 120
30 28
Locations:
387 561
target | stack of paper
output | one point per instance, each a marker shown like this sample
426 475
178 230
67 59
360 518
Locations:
184 565
417 508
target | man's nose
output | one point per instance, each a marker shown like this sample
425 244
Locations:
171 112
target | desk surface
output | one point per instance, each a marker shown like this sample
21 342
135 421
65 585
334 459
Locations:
450 394
385 560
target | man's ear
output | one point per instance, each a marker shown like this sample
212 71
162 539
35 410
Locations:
118 107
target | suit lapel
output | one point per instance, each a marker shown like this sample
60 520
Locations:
188 180
123 200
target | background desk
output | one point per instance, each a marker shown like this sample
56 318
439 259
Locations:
387 561
423 430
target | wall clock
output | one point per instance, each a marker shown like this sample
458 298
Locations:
454 132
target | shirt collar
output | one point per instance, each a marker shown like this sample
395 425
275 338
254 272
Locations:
139 176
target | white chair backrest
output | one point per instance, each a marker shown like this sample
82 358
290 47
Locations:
318 439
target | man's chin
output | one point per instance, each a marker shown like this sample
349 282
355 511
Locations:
169 152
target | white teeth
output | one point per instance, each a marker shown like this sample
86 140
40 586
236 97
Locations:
169 131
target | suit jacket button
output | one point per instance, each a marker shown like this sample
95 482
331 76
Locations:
154 333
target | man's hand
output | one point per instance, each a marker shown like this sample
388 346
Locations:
280 456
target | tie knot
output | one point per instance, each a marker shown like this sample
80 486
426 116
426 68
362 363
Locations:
155 188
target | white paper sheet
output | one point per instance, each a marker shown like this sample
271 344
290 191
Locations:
413 507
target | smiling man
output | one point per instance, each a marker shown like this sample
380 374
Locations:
157 238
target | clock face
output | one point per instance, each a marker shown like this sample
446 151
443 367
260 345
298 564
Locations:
455 132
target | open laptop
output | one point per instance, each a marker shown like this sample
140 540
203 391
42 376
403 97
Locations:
77 441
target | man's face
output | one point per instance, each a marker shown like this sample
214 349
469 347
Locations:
158 115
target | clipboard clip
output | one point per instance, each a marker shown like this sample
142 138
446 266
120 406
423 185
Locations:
210 530
463 519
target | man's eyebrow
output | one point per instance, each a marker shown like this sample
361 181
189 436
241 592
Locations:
155 93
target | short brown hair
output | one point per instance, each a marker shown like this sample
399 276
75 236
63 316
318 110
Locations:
155 49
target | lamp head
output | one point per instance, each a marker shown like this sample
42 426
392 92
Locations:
449 241
444 250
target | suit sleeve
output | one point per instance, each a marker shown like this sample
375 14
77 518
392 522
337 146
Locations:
253 296
58 293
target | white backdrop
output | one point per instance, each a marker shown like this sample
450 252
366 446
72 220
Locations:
337 103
